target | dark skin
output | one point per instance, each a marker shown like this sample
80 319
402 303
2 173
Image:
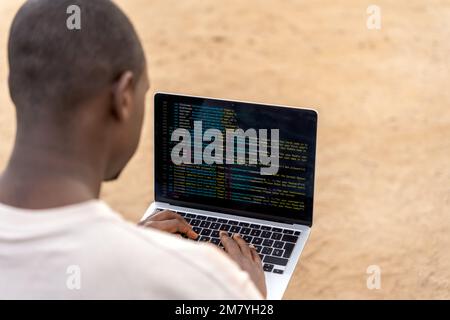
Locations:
54 164
243 254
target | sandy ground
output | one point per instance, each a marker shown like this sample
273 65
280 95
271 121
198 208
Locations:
383 171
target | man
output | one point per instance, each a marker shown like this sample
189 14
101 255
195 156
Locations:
79 97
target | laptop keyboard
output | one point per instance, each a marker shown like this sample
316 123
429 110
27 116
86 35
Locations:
273 244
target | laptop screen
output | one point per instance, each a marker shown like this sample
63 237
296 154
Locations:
235 157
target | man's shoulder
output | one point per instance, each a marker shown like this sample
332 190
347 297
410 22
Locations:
165 261
125 239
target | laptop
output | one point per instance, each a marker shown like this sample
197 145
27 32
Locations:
240 167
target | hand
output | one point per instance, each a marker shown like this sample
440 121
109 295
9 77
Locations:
246 257
170 222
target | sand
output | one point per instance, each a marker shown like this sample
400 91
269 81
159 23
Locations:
383 169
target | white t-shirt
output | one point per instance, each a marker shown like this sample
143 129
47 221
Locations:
87 251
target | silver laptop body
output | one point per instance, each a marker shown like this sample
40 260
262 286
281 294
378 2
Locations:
289 228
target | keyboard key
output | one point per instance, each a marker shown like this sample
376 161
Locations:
267 242
225 227
266 250
289 238
278 271
205 224
287 231
235 229
195 222
214 226
288 248
265 228
233 222
183 214
205 232
268 267
278 244
255 226
197 230
244 224
275 236
245 231
215 241
190 215
248 239
204 239
187 220
222 220
215 234
255 232
277 252
258 249
275 260
297 233
257 240
211 219
201 217
276 230
266 234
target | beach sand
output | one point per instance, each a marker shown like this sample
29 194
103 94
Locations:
383 158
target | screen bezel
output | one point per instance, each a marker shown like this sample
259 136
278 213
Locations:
160 96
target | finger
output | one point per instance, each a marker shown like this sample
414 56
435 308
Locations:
177 216
159 216
185 228
242 245
255 256
165 215
229 244
165 225
174 226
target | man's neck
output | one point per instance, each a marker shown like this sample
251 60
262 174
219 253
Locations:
40 177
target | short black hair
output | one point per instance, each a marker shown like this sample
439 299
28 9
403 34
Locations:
52 66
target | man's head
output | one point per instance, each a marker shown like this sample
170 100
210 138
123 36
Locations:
68 80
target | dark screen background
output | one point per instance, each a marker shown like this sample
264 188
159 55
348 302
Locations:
234 188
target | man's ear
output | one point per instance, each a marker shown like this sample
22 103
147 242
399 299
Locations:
123 96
